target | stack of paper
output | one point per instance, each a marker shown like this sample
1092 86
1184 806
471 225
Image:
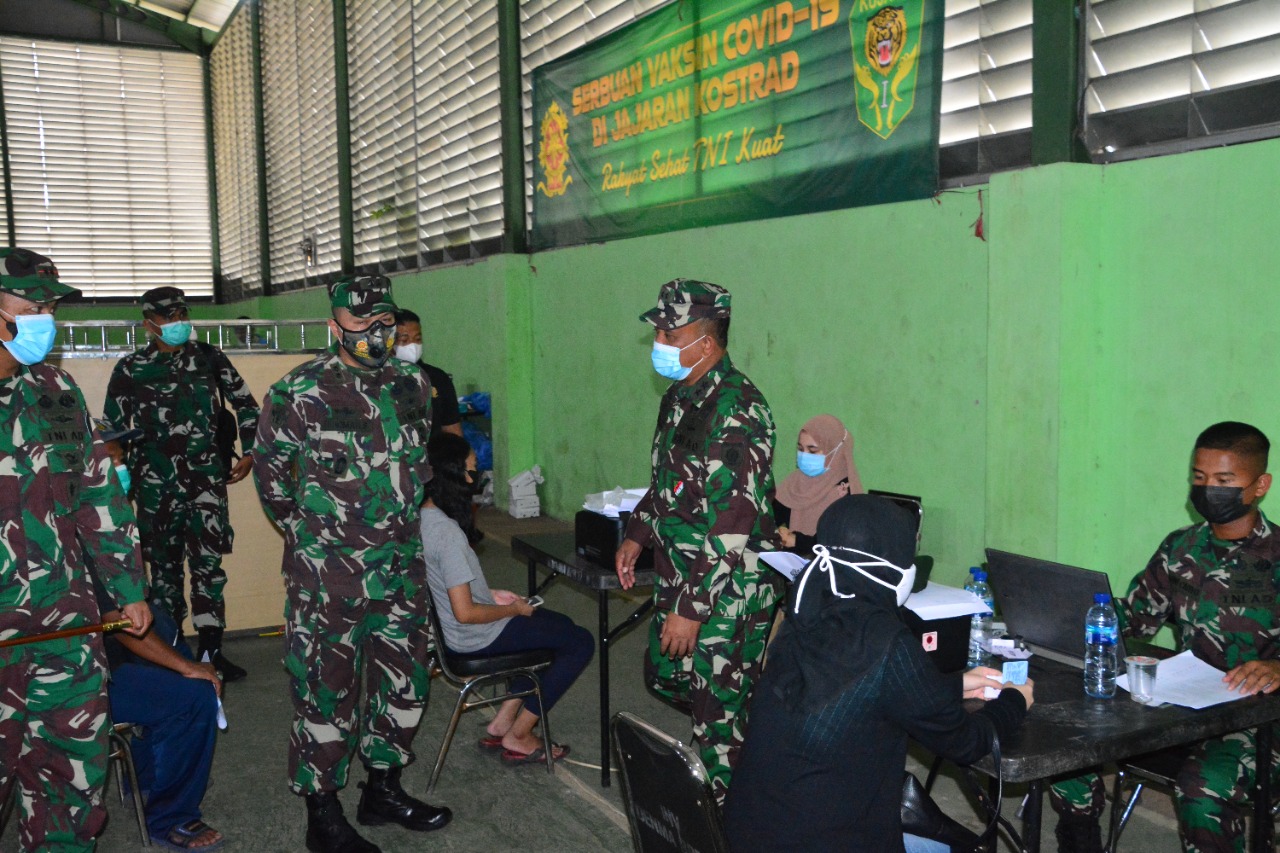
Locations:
613 502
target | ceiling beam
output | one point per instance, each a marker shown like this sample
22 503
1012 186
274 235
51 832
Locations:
185 35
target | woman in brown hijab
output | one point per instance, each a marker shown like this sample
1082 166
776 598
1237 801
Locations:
826 472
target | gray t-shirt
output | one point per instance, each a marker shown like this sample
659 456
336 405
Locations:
451 562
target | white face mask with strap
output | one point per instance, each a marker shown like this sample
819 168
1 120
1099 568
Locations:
823 562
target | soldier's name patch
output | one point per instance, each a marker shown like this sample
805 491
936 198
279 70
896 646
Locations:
411 414
344 420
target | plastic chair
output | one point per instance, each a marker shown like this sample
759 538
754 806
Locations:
470 672
666 791
121 757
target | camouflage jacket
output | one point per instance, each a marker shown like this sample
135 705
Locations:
708 499
58 506
173 399
1223 597
341 465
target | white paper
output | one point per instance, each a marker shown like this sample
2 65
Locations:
789 565
936 601
612 502
222 716
1188 681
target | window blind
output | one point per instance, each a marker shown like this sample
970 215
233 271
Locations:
236 161
107 161
1170 71
458 128
380 52
986 86
299 105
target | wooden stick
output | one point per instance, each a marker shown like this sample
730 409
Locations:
104 627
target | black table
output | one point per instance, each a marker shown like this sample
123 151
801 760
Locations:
1069 732
555 553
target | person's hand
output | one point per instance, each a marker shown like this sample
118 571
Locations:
1256 676
115 450
241 469
624 562
140 615
507 598
207 672
979 679
679 636
504 596
787 537
1027 690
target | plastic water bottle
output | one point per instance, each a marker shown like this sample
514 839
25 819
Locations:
1101 635
980 624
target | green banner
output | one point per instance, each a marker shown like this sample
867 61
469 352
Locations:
713 111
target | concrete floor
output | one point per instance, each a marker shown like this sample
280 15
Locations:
496 808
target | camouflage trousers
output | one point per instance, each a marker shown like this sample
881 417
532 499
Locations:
714 684
175 528
53 741
336 649
1212 792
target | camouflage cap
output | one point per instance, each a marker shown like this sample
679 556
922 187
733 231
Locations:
683 300
104 431
163 300
364 296
31 276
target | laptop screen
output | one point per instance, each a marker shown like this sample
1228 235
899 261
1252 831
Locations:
1045 603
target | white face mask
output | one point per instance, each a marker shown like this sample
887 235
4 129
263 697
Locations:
823 562
409 352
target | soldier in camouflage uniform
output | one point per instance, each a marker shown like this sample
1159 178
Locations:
706 515
341 465
170 390
59 506
1218 582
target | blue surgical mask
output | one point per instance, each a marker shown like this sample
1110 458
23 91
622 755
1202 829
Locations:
666 360
811 464
176 334
33 336
122 472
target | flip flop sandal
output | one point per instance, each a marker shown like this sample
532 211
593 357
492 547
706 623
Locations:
538 756
183 837
492 743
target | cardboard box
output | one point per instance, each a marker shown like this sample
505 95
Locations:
525 507
945 641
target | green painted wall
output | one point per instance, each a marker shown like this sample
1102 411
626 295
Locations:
1041 389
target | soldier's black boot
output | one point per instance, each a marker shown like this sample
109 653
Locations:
328 830
1079 834
383 800
211 643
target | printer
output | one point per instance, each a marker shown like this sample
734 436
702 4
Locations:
596 538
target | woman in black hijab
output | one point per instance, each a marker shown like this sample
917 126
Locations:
846 684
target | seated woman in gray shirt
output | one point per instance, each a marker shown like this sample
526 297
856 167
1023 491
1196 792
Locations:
478 620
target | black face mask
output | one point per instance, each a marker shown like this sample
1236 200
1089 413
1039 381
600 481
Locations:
372 347
1219 504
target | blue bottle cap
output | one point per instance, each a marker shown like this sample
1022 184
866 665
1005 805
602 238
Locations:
1101 597
979 575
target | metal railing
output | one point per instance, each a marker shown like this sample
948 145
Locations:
113 338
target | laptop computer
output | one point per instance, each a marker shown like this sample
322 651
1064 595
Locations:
1045 603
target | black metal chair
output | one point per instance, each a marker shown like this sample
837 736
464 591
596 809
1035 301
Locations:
1155 768
469 673
121 757
666 791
